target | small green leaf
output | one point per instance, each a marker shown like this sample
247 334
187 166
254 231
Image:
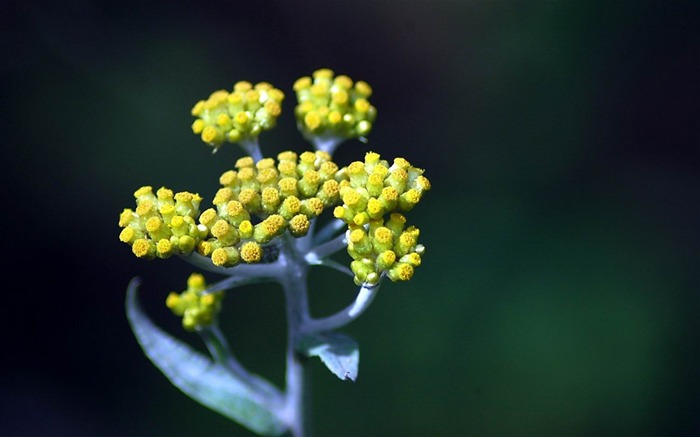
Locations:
339 353
205 381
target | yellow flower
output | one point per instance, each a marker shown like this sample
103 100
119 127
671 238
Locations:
237 116
331 108
196 309
163 224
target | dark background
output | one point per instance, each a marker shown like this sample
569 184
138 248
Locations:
559 293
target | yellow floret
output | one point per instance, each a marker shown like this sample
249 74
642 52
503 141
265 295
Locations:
196 282
153 224
173 301
144 208
312 120
143 191
383 235
223 120
302 83
401 272
220 229
357 235
127 235
312 207
241 118
125 217
251 252
245 161
323 73
164 193
363 88
208 217
164 248
288 186
245 229
375 208
242 86
142 248
343 81
228 178
208 300
220 257
222 196
335 117
212 135
299 225
166 210
198 108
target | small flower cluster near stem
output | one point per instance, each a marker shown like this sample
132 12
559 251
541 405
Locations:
196 308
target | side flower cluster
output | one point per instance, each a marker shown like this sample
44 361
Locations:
196 309
163 223
373 195
260 201
237 116
333 107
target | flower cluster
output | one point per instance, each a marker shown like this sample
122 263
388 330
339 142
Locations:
238 116
333 107
283 195
262 198
163 223
372 192
196 309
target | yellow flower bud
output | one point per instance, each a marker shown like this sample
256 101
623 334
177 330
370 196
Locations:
143 248
245 229
311 207
383 239
164 249
225 257
299 225
400 272
385 260
270 200
225 233
290 207
251 252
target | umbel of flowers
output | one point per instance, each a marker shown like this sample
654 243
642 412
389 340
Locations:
261 225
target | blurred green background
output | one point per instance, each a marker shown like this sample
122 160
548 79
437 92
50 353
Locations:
559 294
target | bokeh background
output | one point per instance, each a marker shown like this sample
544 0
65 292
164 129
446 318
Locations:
560 291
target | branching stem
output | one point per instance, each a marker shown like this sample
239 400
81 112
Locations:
364 298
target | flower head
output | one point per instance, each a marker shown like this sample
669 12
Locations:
163 223
261 200
384 248
196 309
374 195
332 108
238 116
373 189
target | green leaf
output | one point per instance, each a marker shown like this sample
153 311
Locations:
209 383
339 353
